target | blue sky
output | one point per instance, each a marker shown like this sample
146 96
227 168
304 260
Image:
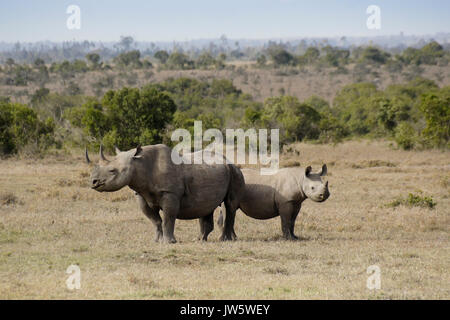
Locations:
176 20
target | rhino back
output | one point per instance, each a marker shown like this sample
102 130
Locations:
205 188
264 193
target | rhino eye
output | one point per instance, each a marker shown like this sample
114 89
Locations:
113 170
312 188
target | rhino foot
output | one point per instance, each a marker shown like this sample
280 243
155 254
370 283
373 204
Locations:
169 240
291 237
228 237
158 237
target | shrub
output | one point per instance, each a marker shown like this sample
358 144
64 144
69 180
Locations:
428 54
9 198
130 58
261 60
354 106
436 110
405 136
280 56
205 60
178 60
126 117
414 200
331 130
20 126
374 55
162 56
295 120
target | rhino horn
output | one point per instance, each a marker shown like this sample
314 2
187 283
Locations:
102 156
87 156
117 150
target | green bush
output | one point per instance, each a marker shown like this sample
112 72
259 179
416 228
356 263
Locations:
428 54
335 57
436 111
296 121
162 56
414 200
178 60
331 130
205 60
405 136
354 106
20 127
125 117
129 59
280 56
374 55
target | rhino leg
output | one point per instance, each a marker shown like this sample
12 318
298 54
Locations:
288 213
170 205
228 228
293 218
153 214
206 226
236 189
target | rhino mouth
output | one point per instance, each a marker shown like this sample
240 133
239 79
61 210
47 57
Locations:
98 185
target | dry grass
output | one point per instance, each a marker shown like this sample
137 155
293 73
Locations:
62 222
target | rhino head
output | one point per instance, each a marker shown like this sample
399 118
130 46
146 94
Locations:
313 186
112 175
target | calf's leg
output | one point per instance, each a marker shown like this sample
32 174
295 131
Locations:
206 226
288 212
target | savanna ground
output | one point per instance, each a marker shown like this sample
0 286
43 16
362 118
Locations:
50 219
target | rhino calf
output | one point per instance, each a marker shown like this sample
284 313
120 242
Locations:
184 191
281 194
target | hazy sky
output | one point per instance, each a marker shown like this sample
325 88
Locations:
169 20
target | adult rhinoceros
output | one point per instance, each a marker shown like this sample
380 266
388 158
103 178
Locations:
281 194
183 191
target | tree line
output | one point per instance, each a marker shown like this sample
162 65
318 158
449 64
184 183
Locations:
415 114
274 56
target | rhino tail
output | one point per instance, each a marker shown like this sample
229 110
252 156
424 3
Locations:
237 183
236 189
220 219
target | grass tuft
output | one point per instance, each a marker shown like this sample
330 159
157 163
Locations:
414 200
9 199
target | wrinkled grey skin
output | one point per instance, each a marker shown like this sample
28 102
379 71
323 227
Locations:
185 191
267 196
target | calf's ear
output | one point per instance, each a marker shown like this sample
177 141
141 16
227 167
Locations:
308 170
138 153
324 170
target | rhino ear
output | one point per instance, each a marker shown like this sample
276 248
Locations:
138 153
308 170
324 170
